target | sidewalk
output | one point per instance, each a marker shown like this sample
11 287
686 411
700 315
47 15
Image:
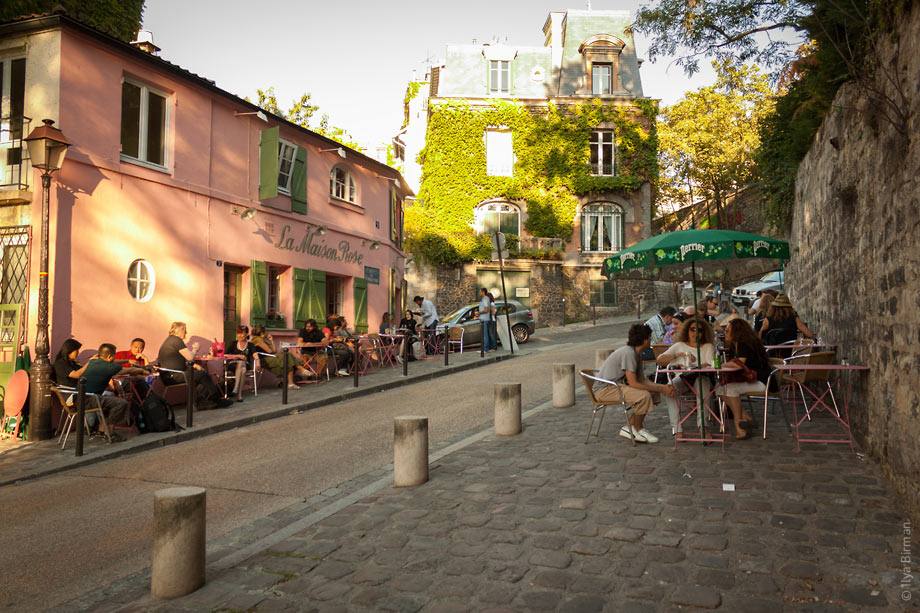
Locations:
20 460
542 521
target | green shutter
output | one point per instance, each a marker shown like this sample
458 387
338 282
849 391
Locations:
299 182
268 163
258 278
301 296
316 302
360 287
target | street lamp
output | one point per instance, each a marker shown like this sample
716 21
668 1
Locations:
47 148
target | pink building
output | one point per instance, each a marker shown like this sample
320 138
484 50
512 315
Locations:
179 201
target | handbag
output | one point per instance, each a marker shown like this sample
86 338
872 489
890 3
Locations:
742 375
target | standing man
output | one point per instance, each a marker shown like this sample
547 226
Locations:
624 367
659 326
427 312
485 316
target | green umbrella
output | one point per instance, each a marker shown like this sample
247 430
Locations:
711 255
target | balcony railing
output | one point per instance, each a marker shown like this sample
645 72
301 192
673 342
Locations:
15 169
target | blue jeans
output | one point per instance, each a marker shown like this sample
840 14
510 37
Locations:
488 335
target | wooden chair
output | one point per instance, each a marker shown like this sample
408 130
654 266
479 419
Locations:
68 406
588 378
455 338
14 399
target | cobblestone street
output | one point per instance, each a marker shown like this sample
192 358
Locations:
541 521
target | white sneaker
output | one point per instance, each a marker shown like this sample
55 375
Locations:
399 359
648 436
343 373
624 432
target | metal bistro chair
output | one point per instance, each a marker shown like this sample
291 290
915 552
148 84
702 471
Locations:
251 373
68 407
455 339
588 378
658 349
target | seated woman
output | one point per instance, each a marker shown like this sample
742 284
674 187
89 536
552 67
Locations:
243 351
67 371
342 345
409 324
692 335
743 347
782 323
386 324
765 302
174 355
265 344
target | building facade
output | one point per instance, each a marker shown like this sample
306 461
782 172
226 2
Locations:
179 201
553 145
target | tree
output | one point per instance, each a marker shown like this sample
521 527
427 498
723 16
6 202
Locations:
300 113
763 31
120 18
708 139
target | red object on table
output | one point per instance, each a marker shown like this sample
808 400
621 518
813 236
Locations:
217 349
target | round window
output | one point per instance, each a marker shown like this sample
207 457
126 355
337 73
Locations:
141 280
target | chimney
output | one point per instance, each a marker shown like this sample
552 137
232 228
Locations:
144 42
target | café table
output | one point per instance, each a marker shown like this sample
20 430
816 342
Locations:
310 361
430 341
216 367
838 376
719 418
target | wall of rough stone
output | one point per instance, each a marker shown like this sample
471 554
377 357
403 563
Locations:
855 269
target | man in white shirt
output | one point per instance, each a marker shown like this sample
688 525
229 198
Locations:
427 312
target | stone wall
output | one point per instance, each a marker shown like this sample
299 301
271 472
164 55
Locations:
855 270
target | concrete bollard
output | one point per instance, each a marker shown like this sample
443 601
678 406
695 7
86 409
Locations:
563 385
507 409
178 541
410 450
600 356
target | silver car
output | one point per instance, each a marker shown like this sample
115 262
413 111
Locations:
746 294
522 323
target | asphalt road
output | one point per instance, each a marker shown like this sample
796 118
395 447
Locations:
67 534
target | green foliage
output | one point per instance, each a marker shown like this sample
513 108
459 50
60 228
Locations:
708 138
119 18
300 113
552 170
724 29
411 92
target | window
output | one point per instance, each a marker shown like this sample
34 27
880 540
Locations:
499 153
498 217
342 185
274 288
603 292
141 280
499 77
143 124
12 125
335 295
603 153
602 228
600 79
285 165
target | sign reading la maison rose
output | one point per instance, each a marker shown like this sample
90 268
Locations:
313 244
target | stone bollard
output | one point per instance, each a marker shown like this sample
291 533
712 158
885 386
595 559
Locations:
410 450
507 409
563 385
600 356
178 541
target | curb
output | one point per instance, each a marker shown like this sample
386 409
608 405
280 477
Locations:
284 410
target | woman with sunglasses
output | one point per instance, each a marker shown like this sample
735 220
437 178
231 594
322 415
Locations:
693 335
243 350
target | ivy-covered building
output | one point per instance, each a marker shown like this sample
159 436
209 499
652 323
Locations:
555 146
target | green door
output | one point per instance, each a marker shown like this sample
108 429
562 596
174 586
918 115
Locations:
360 287
9 340
233 278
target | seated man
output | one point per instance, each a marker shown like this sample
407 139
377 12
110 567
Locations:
174 355
135 355
310 333
624 367
98 374
659 326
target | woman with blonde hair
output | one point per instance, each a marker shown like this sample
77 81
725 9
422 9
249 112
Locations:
765 301
694 336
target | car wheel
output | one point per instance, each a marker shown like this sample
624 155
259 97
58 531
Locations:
521 334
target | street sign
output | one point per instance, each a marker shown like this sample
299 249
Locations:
505 254
498 241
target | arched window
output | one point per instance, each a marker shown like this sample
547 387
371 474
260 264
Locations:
141 280
601 227
342 185
498 217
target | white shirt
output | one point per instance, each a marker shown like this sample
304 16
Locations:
707 354
756 304
429 313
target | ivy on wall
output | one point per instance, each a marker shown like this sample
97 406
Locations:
552 170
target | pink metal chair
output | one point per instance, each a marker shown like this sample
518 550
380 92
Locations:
14 399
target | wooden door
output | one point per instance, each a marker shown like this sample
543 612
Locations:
233 276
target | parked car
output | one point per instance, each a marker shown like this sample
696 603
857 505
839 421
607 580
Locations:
745 295
522 323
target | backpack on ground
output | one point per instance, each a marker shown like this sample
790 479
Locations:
157 415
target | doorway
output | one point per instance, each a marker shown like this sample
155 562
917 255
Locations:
233 278
335 295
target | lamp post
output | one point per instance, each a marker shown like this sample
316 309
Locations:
47 148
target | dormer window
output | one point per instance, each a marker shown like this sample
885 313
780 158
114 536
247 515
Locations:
601 61
499 77
600 79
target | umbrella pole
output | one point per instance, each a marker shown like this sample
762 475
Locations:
699 379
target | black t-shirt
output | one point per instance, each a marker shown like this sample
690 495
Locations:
314 336
249 351
98 373
169 356
755 362
62 369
